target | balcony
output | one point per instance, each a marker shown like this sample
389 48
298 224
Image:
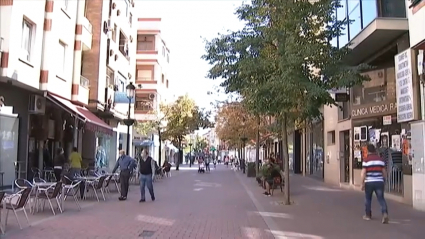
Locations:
87 34
83 90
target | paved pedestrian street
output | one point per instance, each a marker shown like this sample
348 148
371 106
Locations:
223 204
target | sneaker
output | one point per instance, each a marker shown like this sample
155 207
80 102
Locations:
367 218
385 219
142 200
266 193
121 198
153 198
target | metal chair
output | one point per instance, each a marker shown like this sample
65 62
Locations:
17 205
50 193
70 189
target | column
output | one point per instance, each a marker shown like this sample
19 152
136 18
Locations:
48 45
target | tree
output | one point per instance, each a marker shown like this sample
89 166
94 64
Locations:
234 121
183 117
200 144
156 125
283 62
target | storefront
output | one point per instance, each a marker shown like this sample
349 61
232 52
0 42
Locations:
314 147
13 133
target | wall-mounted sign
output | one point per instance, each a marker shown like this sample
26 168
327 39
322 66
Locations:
386 120
373 110
342 97
404 86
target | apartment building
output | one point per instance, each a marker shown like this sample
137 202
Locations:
45 89
381 110
416 15
109 67
152 79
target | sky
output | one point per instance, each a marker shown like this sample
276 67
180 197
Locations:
185 25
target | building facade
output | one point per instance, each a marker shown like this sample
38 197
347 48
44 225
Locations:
109 66
46 90
379 111
152 81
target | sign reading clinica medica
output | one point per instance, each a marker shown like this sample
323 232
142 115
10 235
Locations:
404 86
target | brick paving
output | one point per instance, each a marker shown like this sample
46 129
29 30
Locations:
221 208
322 211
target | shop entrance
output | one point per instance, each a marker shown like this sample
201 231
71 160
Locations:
344 149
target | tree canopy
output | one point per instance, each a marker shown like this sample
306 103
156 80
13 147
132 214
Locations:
182 118
283 62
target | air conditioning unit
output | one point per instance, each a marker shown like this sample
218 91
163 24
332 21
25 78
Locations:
151 96
37 104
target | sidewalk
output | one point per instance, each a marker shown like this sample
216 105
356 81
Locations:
323 211
188 205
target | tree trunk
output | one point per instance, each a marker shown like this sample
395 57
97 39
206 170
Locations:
160 147
287 197
179 153
257 149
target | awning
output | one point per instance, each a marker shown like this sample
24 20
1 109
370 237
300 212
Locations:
92 122
143 143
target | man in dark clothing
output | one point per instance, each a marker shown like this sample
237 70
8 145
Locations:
126 164
147 174
59 163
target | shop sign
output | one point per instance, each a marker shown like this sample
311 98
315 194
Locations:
373 110
404 86
386 120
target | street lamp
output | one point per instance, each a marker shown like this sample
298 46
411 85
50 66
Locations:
130 89
190 154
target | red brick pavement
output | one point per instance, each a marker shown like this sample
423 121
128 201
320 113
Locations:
216 211
322 211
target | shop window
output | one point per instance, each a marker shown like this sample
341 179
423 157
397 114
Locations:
331 137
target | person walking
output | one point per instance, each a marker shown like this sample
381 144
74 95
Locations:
373 177
147 174
75 161
59 163
126 165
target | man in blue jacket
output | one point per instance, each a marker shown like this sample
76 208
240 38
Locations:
126 165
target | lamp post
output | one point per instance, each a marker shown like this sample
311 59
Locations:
190 154
130 89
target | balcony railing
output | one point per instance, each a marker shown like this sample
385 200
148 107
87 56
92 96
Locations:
84 82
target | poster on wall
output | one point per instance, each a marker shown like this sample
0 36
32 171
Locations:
404 86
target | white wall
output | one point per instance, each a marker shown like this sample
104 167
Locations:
416 24
63 29
27 72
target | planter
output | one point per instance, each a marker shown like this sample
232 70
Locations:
251 170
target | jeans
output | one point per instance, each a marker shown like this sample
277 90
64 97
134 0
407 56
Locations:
146 180
378 188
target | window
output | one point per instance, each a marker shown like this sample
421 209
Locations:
163 51
369 11
110 77
163 79
145 43
341 14
114 33
61 54
123 44
144 102
355 18
144 75
166 84
331 137
27 38
168 58
126 7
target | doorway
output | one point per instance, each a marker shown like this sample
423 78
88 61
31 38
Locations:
344 149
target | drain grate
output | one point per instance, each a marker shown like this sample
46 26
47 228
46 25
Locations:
146 234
